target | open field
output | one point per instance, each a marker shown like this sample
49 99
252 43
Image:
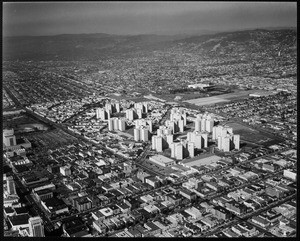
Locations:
207 100
221 98
19 120
249 134
184 96
238 127
50 138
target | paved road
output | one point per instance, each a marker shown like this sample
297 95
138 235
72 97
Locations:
105 205
244 218
263 209
58 126
141 159
61 76
80 137
15 100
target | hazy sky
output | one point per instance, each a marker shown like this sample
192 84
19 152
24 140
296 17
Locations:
49 18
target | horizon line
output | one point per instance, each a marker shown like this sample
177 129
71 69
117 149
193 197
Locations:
161 34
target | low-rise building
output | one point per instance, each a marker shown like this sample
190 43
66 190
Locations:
193 212
19 221
290 174
260 221
152 228
107 212
83 203
65 170
75 227
188 194
124 208
235 207
97 215
54 205
152 181
221 212
151 209
43 194
162 160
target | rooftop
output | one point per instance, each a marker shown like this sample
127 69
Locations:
161 158
54 203
201 161
20 219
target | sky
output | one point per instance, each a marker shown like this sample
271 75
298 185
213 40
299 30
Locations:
51 18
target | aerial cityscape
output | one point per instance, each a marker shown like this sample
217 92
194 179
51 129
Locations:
139 119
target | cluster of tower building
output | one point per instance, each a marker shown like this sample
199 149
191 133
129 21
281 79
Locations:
227 141
137 111
163 139
182 149
200 139
117 124
141 106
204 122
177 115
141 133
120 123
179 150
105 112
175 125
144 123
142 130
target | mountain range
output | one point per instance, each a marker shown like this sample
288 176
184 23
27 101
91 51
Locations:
101 45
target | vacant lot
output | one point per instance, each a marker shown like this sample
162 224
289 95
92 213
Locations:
248 134
221 98
50 138
16 120
207 100
236 127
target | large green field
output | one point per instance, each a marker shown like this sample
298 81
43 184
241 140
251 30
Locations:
239 94
249 134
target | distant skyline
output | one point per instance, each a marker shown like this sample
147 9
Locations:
52 18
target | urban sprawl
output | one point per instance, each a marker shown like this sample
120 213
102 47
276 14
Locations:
169 145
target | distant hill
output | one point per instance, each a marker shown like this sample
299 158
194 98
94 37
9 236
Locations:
241 43
101 45
78 46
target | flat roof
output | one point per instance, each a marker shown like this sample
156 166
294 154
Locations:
73 222
54 202
21 210
161 158
202 161
9 210
19 219
44 191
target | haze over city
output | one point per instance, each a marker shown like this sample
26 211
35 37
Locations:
149 119
51 18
